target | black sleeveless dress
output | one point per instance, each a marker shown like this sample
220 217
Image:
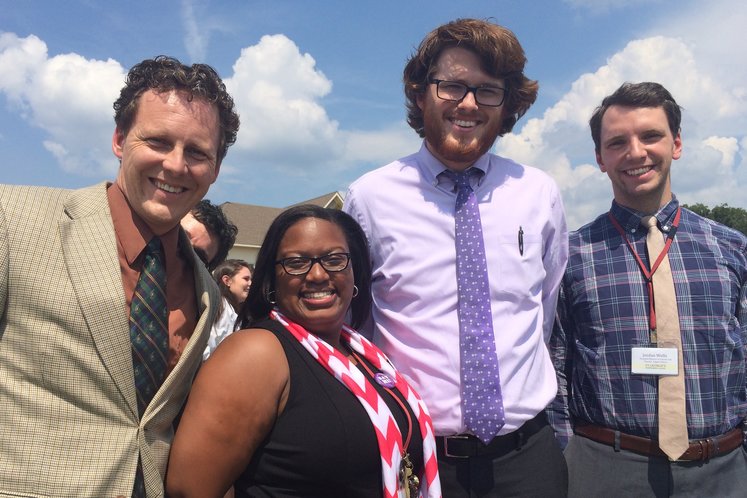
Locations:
323 444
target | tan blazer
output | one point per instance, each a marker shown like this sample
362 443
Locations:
68 415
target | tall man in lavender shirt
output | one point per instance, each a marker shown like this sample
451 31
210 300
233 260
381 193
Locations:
465 86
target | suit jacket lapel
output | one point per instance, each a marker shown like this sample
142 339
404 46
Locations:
90 250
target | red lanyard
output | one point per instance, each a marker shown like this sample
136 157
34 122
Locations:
646 273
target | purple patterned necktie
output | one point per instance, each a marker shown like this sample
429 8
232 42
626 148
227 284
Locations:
482 401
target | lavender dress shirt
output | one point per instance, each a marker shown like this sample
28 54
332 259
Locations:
407 212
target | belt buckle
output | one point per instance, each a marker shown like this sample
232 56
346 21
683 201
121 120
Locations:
446 445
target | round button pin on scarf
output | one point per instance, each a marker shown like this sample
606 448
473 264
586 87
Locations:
384 380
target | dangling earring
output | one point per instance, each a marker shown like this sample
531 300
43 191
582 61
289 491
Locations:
355 290
271 297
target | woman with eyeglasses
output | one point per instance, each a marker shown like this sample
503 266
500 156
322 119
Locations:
298 403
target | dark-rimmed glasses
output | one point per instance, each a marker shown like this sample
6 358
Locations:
301 265
454 91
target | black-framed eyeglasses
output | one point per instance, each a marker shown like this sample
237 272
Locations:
454 91
301 265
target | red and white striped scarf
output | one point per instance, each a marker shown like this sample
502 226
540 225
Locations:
387 433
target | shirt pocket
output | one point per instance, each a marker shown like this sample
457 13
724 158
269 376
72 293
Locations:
517 264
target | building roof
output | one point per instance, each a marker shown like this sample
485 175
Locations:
253 221
332 200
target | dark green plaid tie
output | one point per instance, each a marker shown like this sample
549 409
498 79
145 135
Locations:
149 334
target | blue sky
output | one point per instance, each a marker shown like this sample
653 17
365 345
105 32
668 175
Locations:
318 87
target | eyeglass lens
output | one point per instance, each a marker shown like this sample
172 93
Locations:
300 265
455 91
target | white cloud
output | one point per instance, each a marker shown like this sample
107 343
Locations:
714 32
195 37
278 93
277 90
68 96
560 143
727 146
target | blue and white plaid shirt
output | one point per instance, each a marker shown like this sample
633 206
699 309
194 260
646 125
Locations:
603 313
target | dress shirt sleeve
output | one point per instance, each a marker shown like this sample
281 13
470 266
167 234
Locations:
350 206
554 259
562 356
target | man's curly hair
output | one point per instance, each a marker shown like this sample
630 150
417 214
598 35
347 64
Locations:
163 74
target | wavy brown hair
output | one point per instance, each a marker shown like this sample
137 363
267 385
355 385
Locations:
500 54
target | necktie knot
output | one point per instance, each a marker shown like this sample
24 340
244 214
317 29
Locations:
650 222
461 179
153 249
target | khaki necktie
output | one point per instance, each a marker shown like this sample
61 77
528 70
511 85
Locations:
672 419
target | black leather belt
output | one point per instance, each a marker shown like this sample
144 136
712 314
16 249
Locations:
467 445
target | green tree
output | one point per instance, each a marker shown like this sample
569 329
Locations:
733 217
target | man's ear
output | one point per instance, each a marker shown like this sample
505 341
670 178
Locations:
118 139
602 167
677 151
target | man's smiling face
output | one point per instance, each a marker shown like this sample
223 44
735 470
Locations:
636 151
458 133
168 157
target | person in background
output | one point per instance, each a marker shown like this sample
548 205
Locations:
299 403
210 231
650 339
96 363
233 276
468 249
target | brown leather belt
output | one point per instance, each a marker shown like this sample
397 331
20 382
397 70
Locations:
699 450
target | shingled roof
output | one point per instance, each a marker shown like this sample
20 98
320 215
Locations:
253 221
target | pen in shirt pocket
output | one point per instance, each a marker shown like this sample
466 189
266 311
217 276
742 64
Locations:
521 241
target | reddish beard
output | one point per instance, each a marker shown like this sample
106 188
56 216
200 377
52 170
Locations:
464 150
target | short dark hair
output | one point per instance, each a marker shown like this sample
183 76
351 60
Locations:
163 74
645 94
218 225
258 305
500 54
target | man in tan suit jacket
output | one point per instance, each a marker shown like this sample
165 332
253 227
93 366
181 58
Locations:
69 260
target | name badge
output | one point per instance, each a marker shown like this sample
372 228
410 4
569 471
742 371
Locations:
655 361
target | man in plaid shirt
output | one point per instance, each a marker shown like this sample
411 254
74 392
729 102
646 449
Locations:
605 414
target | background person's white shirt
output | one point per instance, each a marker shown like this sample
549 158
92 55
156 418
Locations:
222 328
